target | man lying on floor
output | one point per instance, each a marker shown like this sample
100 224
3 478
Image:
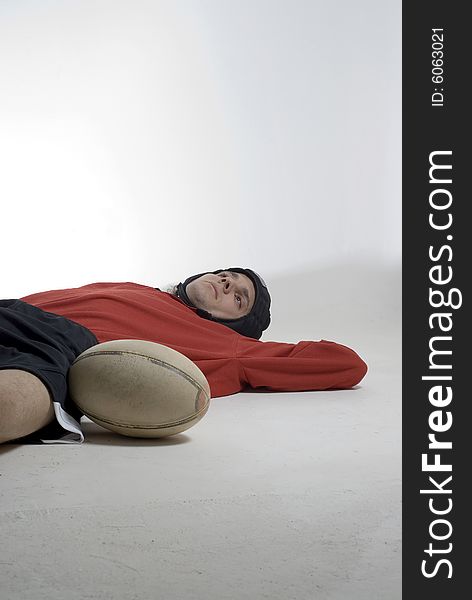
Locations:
215 319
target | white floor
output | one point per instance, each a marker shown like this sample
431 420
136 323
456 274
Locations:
290 496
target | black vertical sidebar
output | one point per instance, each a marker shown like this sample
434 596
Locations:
437 267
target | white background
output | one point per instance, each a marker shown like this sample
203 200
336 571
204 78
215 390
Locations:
149 140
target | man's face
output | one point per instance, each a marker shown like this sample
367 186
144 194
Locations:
226 295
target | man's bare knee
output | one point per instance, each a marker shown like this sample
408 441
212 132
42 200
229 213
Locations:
25 404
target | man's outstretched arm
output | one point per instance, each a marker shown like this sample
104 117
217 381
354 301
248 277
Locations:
307 365
284 367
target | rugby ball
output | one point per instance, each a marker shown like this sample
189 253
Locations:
139 388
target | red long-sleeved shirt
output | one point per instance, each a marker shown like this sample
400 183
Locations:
229 361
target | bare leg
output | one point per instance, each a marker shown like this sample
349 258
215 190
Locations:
25 404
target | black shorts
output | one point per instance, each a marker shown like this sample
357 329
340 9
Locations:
45 345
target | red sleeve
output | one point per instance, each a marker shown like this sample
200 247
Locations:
307 365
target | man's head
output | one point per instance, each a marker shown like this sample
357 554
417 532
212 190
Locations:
235 297
225 295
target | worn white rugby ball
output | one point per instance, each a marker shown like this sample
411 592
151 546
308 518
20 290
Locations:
139 388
